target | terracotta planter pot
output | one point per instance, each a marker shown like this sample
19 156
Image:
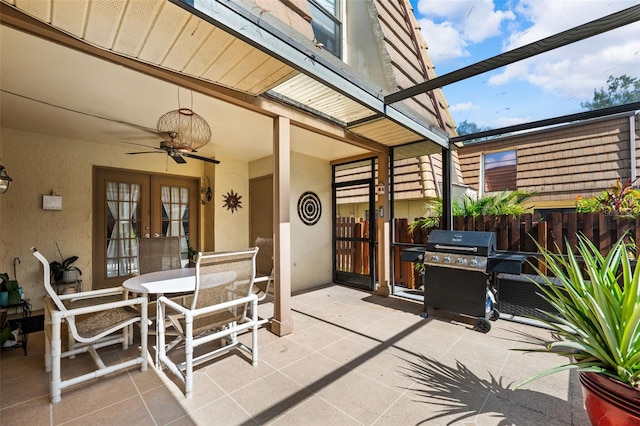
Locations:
610 402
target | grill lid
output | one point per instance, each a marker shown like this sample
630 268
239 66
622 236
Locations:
468 242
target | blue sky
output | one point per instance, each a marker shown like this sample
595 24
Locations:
463 32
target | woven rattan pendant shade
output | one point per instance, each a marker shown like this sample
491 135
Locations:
184 129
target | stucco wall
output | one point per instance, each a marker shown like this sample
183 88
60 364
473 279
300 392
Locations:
39 164
310 245
231 228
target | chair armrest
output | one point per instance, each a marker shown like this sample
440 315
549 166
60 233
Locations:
208 309
262 279
103 307
93 293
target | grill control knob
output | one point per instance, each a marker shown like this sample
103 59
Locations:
447 259
461 261
435 258
473 262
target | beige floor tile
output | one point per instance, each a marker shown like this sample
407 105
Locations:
129 412
313 371
266 399
165 406
24 388
33 412
283 352
314 338
359 396
455 407
232 372
223 411
316 411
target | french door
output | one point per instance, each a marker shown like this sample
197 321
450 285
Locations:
130 205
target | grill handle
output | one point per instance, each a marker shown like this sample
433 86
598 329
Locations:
471 249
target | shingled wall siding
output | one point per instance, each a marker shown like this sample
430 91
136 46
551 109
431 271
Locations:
562 163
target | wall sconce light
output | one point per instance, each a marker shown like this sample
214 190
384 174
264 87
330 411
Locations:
206 193
5 180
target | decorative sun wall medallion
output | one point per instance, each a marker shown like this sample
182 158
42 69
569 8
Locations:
232 201
309 208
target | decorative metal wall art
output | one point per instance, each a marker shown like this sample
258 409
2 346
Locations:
232 201
309 208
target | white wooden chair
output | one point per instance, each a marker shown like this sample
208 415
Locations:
94 321
217 310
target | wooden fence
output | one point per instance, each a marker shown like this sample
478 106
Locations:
520 234
514 234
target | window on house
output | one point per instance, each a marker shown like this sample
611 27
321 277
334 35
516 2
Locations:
326 24
500 171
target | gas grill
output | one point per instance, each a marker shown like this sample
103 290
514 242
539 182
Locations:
459 274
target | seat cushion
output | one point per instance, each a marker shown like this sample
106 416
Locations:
102 321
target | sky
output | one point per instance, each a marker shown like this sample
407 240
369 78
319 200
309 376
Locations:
463 32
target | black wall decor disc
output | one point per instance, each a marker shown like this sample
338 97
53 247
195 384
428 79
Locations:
309 208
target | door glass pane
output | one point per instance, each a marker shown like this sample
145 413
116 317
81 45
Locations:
175 215
122 227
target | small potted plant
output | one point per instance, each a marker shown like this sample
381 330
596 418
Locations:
65 271
9 291
598 322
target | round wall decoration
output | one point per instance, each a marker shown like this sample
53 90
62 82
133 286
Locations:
309 208
232 201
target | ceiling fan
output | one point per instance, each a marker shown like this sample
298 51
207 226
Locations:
175 152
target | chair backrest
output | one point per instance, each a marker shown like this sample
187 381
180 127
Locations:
264 258
53 296
158 254
224 276
47 280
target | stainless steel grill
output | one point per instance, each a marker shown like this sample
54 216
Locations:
459 269
468 250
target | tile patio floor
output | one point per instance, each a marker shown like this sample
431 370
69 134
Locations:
353 359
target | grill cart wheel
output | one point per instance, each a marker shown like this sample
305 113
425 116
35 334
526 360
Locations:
482 325
495 315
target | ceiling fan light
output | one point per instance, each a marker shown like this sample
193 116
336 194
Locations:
183 129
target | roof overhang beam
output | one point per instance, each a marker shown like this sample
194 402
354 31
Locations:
254 29
590 29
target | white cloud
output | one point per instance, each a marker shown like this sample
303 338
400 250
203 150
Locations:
444 40
512 121
471 21
579 68
463 106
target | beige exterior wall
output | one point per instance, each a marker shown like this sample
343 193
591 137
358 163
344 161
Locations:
310 245
39 164
231 230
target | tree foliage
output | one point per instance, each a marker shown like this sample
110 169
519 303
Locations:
620 90
469 127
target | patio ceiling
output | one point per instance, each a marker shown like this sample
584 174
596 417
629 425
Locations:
161 35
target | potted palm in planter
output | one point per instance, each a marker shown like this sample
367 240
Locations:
598 321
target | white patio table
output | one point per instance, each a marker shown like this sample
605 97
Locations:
173 281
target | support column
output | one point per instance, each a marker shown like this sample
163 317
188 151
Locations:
447 212
282 322
382 226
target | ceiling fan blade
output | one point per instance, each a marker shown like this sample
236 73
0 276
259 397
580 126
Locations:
197 157
177 158
145 152
142 145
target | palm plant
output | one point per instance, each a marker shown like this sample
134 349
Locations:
598 316
496 204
